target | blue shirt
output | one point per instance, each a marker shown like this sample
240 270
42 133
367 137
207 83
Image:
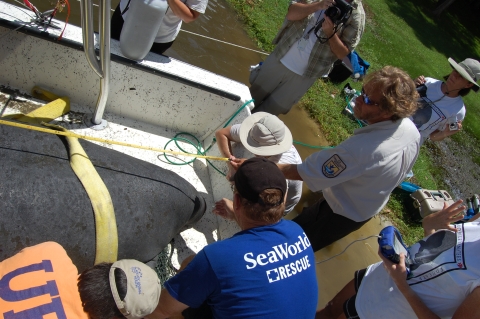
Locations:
263 272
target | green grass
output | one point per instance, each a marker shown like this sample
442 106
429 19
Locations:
398 33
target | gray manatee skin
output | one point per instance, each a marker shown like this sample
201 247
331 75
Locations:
41 199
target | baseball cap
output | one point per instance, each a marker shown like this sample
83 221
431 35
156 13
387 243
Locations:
143 288
265 134
256 175
469 69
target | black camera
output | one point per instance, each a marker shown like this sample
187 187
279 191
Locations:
340 12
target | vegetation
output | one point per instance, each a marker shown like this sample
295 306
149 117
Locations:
399 33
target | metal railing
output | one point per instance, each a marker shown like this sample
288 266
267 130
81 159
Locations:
102 66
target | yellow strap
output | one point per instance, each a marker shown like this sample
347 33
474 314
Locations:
90 138
42 94
105 224
47 112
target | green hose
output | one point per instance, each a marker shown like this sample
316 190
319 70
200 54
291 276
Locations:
198 146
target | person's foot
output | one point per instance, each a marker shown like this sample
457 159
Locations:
224 208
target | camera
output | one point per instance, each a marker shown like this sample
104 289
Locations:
454 126
340 12
391 245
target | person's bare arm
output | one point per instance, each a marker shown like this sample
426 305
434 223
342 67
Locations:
437 135
444 218
336 45
167 306
223 141
298 11
290 171
468 309
182 11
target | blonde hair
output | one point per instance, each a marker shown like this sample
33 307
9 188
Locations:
399 94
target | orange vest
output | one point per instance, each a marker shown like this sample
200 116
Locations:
40 282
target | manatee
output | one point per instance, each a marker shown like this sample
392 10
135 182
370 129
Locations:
41 199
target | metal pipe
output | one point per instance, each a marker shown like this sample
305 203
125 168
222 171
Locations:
86 9
104 28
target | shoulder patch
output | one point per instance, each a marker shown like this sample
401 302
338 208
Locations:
333 166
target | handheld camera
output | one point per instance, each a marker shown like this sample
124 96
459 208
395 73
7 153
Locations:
453 126
340 12
391 245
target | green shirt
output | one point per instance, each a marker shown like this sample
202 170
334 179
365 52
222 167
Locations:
322 58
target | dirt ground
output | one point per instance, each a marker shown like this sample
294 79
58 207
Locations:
461 173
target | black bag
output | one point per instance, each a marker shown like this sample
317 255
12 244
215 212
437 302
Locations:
340 72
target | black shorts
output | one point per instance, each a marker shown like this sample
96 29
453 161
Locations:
349 306
323 227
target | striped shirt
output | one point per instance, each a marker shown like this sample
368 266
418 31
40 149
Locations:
322 58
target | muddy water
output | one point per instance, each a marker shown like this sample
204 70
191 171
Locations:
220 22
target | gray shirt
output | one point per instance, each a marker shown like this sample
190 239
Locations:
358 175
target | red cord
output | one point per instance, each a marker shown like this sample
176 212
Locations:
66 20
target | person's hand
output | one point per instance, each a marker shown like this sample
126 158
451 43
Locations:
324 4
420 80
224 208
398 272
443 218
451 132
328 27
231 168
237 162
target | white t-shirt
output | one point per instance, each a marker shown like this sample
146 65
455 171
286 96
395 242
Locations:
446 271
437 110
171 24
358 175
296 59
289 157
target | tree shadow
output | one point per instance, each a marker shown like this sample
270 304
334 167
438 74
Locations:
451 34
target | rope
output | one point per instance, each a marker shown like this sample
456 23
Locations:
235 45
312 146
96 139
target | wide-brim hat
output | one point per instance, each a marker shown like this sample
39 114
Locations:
265 134
469 69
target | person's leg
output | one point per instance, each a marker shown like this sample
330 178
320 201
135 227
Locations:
286 94
116 24
160 48
323 227
335 307
343 304
276 89
268 78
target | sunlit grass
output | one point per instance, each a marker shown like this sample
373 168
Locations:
398 33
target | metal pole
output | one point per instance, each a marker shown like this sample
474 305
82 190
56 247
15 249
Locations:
102 67
104 28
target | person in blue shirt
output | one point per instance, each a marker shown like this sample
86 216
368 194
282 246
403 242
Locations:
267 270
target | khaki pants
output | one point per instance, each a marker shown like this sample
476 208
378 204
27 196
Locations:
275 88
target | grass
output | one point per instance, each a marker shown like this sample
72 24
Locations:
399 33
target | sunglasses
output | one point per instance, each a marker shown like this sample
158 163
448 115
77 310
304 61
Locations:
366 99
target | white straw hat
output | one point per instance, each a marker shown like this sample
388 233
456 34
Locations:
265 134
